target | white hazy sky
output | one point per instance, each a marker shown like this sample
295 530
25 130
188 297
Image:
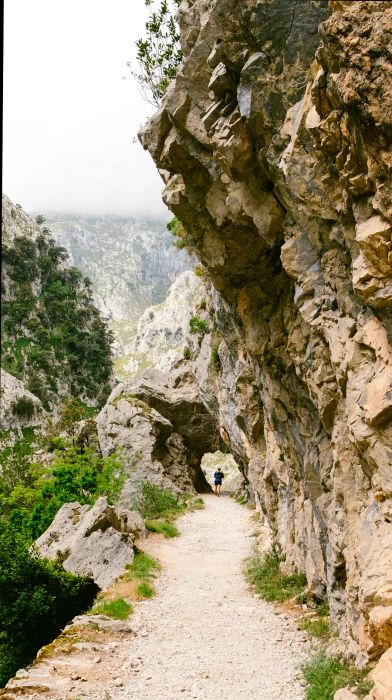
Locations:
69 118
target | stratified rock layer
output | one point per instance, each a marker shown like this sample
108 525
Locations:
275 154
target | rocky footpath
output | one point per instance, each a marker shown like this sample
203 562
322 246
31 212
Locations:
273 143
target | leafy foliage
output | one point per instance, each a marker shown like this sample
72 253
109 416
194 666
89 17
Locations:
52 334
158 53
23 407
31 494
215 359
182 238
37 598
155 501
316 628
197 326
264 575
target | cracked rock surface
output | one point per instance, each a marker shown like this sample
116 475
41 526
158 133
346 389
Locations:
274 146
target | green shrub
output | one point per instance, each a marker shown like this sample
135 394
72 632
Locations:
55 339
187 353
324 676
119 608
197 326
154 501
23 407
37 598
264 575
162 527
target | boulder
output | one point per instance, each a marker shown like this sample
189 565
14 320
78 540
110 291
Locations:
382 678
93 541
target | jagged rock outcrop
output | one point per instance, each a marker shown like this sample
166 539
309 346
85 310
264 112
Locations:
273 142
96 542
162 330
162 428
18 406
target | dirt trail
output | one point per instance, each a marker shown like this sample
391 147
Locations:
204 635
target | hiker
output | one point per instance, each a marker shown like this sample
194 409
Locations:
218 478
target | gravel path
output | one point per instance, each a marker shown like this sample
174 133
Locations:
205 635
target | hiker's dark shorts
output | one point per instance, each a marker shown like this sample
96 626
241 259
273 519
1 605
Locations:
217 482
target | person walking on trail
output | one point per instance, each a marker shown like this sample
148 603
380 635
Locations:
218 478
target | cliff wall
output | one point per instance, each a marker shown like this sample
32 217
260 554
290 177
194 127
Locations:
273 143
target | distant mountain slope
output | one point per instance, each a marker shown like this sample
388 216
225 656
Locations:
53 338
162 330
131 263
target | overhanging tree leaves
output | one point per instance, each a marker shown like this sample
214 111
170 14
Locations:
158 53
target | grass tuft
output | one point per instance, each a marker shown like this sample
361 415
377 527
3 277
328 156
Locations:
145 590
264 575
316 628
119 608
322 609
143 567
162 527
324 676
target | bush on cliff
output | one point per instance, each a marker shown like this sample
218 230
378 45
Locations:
37 598
53 337
158 53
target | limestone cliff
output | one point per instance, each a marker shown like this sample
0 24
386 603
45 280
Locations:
273 142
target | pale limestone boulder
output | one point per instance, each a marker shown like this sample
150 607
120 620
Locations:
382 677
12 389
93 541
344 694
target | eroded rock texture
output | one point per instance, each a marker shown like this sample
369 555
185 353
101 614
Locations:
273 143
162 428
96 542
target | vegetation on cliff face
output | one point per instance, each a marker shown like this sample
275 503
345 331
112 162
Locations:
158 52
53 337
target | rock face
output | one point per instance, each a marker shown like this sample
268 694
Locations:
162 330
18 406
162 428
96 542
273 144
130 261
